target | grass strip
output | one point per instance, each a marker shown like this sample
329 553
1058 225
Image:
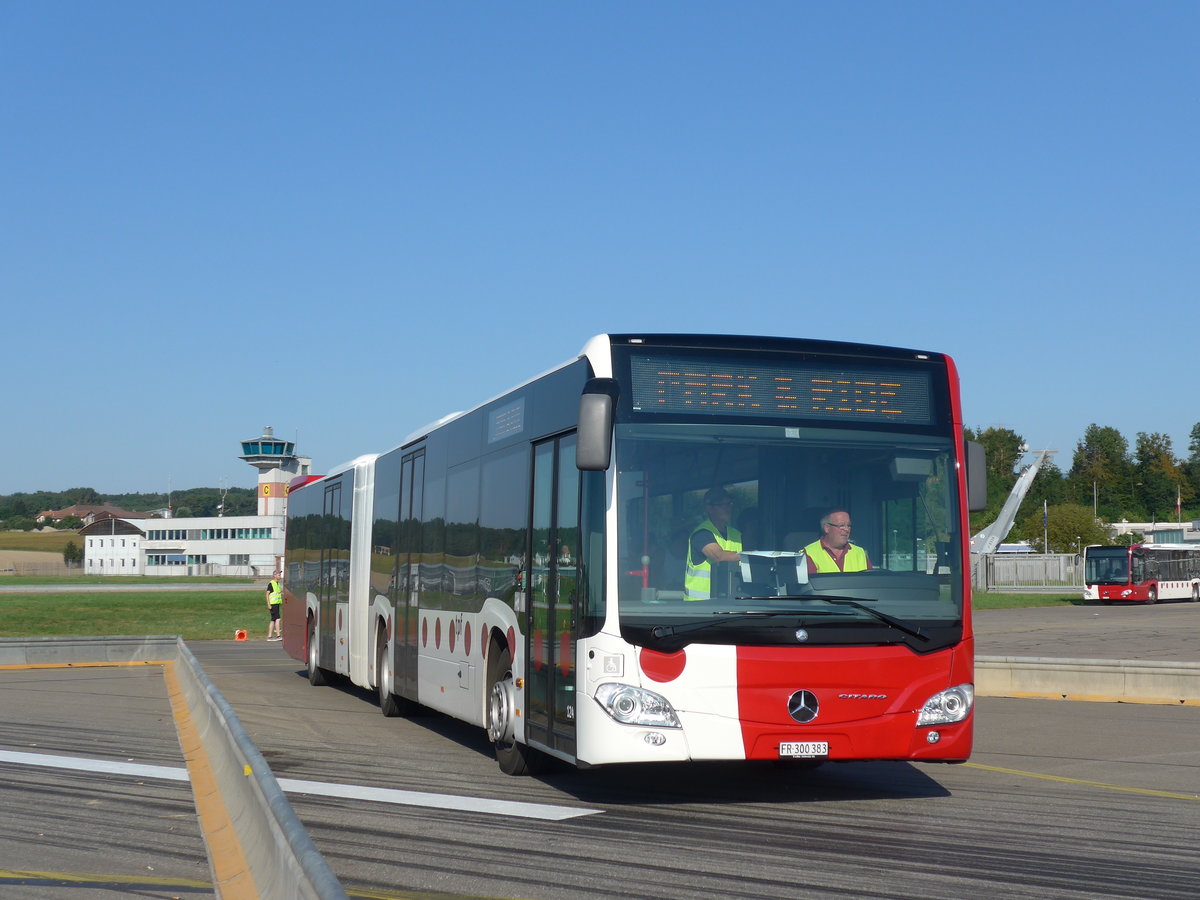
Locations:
998 600
194 615
126 579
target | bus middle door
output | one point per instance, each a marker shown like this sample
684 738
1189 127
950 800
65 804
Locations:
406 636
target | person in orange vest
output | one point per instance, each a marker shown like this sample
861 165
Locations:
833 552
274 603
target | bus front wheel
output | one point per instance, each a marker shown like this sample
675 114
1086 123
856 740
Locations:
1152 595
513 757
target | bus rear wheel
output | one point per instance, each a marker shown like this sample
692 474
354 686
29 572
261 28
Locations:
316 675
1196 593
389 704
513 757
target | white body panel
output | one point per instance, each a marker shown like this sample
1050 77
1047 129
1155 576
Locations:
709 682
451 663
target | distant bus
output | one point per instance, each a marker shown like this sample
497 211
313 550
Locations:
1144 573
521 566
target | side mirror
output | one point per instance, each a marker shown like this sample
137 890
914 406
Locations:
593 448
976 477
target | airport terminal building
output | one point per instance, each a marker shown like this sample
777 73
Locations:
215 545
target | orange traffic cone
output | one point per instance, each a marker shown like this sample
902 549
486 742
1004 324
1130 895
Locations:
240 634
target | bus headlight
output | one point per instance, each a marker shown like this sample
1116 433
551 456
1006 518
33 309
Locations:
951 705
634 706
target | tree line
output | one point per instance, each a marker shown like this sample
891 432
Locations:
1107 482
19 512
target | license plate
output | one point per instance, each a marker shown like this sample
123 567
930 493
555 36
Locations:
803 748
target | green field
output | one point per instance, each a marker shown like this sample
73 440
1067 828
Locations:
193 615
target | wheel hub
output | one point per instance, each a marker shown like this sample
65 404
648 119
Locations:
500 727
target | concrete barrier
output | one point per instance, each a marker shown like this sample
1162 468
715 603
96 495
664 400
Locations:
86 650
1112 680
281 858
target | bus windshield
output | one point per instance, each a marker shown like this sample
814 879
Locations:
1107 565
774 483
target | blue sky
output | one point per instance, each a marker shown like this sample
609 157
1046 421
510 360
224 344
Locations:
348 220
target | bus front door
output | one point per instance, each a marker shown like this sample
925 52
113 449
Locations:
550 626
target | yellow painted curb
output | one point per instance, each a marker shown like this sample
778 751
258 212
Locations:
231 871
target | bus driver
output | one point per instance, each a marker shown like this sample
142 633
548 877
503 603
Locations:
713 540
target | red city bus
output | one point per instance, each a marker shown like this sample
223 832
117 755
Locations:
1142 573
522 566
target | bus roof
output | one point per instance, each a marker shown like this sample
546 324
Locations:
598 351
1163 546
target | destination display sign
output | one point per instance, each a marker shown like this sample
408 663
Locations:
694 385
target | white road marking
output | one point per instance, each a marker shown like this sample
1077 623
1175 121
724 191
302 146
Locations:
436 801
94 765
317 788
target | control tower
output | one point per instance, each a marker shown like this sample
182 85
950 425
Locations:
277 464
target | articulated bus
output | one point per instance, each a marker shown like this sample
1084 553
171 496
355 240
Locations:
521 566
1144 573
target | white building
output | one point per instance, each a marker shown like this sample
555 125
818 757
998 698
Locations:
113 547
230 545
1161 532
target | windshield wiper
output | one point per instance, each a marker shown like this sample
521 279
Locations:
722 617
898 624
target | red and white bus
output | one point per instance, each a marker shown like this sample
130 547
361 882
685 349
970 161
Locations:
1142 573
521 566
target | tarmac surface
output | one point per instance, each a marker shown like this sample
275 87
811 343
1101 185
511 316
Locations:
1166 631
133 832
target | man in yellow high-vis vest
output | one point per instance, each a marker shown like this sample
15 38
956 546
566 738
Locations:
713 540
833 552
274 603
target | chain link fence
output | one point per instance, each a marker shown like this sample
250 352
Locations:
45 568
1027 571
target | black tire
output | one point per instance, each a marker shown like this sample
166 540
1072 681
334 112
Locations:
514 758
316 675
389 704
1152 595
1196 593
